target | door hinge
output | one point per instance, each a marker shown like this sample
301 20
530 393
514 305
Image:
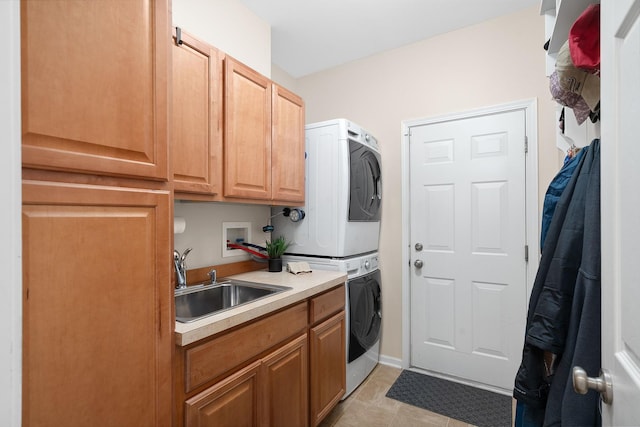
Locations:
526 253
526 144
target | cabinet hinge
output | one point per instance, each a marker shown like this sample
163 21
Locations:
178 36
526 144
526 253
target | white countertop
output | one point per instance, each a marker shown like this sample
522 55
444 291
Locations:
303 286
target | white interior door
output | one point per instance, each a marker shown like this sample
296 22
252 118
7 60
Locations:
620 154
468 229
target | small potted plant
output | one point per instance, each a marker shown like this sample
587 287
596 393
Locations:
275 249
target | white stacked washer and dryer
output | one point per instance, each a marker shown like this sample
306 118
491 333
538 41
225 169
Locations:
341 229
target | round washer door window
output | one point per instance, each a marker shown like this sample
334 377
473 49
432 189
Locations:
364 314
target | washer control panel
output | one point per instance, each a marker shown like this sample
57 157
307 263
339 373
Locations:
369 263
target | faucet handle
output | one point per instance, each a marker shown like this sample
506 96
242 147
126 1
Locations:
184 254
213 275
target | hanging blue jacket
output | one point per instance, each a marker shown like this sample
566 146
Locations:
555 189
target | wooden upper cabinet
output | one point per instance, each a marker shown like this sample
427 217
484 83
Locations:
263 139
247 132
287 146
95 86
236 135
196 140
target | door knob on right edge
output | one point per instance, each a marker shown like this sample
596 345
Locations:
418 263
582 383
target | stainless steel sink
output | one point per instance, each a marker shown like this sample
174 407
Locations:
201 301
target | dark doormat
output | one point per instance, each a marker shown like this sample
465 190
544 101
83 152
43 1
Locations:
462 402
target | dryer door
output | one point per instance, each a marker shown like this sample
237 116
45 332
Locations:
364 313
365 188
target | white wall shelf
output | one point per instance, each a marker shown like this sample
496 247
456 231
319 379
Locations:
559 16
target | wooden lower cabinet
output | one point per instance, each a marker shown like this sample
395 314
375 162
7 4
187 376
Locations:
97 320
327 366
271 392
286 385
285 369
233 402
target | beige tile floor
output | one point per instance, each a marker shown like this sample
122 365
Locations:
368 406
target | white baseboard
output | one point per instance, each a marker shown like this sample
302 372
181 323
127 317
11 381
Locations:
390 361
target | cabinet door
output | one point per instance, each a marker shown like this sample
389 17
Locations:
247 132
328 366
285 386
233 402
196 139
287 146
97 321
94 86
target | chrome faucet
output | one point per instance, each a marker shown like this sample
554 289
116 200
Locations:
213 274
181 268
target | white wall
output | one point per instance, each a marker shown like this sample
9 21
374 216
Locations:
203 232
495 62
281 77
10 235
229 26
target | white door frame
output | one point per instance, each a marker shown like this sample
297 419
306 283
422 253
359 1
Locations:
530 108
11 228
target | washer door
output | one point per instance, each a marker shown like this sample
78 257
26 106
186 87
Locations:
364 313
365 185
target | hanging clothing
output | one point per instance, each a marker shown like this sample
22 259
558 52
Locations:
527 415
564 307
555 189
